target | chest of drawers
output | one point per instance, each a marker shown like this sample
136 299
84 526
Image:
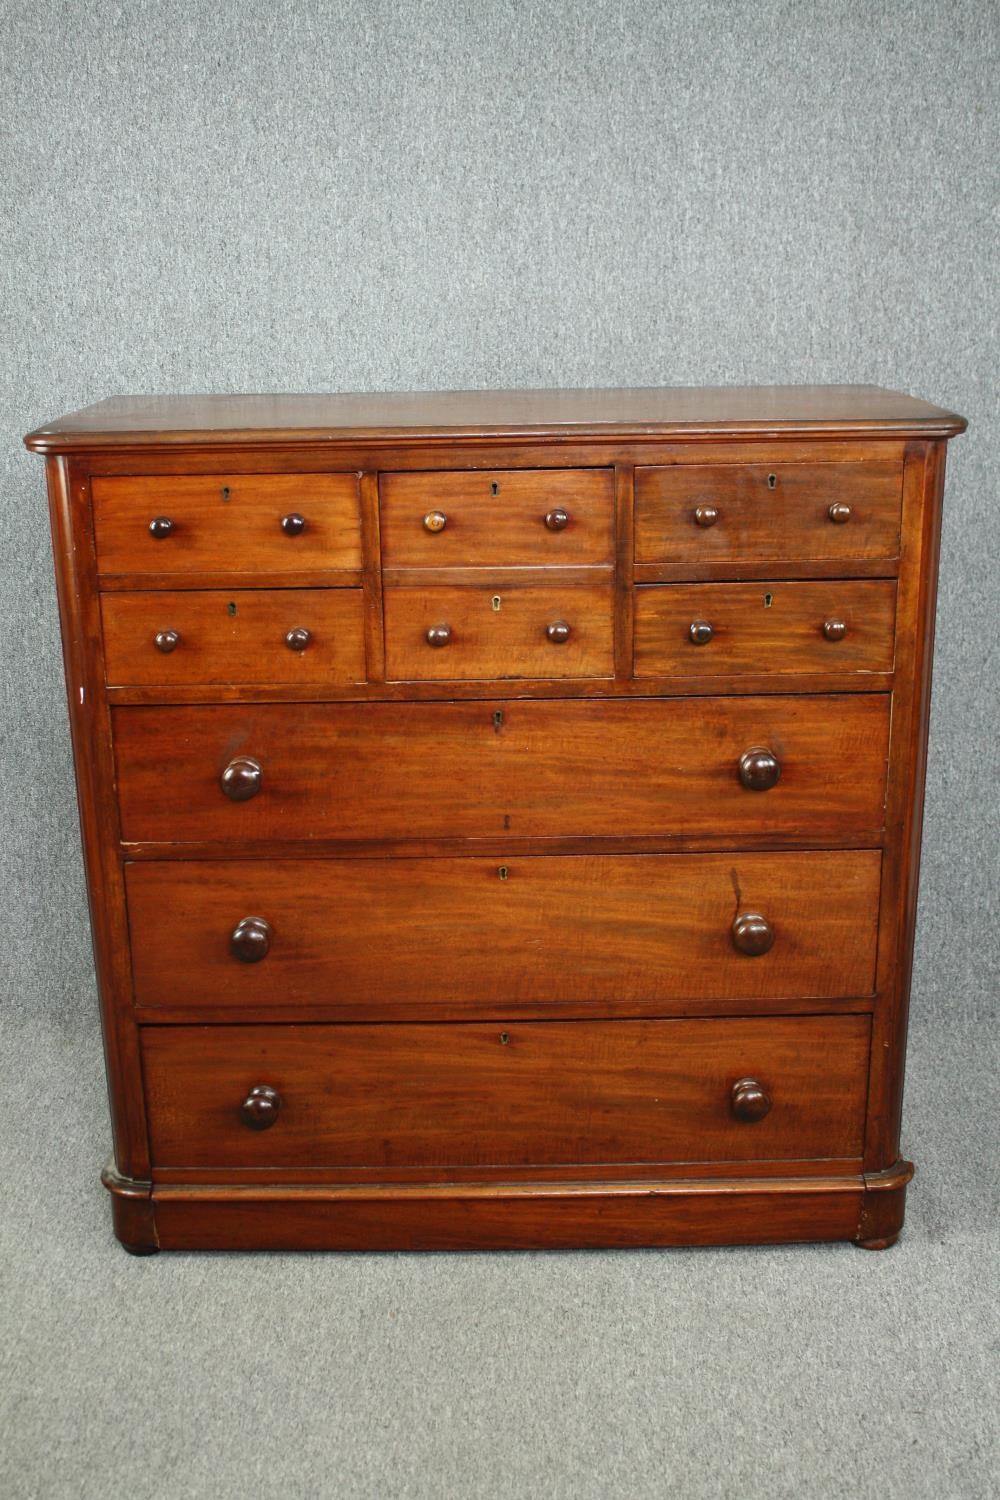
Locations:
501 811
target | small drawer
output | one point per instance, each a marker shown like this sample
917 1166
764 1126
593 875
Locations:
232 524
703 629
506 1093
498 518
701 514
453 633
510 769
246 636
471 931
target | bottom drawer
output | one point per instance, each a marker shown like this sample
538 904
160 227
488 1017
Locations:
534 1093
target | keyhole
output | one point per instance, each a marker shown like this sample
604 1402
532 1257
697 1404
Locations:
495 603
231 606
225 492
498 719
772 480
503 872
504 1038
494 488
768 600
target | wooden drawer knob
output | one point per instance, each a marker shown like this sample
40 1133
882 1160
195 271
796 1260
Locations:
749 1100
242 778
705 515
557 520
435 520
250 940
293 524
759 770
166 641
839 513
700 632
558 632
752 934
260 1107
835 630
298 639
160 527
439 635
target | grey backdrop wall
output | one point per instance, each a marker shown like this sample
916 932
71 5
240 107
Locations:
453 193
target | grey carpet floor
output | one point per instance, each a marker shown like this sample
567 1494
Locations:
798 1371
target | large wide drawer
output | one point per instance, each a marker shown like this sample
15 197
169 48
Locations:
702 629
520 1094
236 524
702 514
511 769
164 637
454 634
473 931
497 518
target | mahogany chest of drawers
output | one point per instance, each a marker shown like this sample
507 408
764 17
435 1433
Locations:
501 811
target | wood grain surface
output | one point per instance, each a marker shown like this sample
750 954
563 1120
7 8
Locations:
642 1091
479 932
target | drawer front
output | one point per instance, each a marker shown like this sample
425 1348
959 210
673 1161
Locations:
840 625
474 931
498 518
455 634
227 523
245 636
508 769
731 513
529 1093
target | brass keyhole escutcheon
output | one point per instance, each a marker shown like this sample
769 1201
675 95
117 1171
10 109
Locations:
494 488
504 1038
231 608
772 481
226 492
502 872
768 600
498 719
495 604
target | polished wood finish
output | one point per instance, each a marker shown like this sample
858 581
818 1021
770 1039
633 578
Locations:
756 520
783 627
507 768
237 524
552 1092
590 922
498 518
486 934
497 630
246 636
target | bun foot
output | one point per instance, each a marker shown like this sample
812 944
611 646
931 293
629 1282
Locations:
877 1244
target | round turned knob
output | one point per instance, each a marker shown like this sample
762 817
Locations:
160 527
260 1107
700 632
298 639
166 641
439 635
558 632
749 1100
557 520
242 778
759 770
835 630
839 513
705 515
435 520
250 940
752 933
293 524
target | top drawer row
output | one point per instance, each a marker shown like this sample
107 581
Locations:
306 523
